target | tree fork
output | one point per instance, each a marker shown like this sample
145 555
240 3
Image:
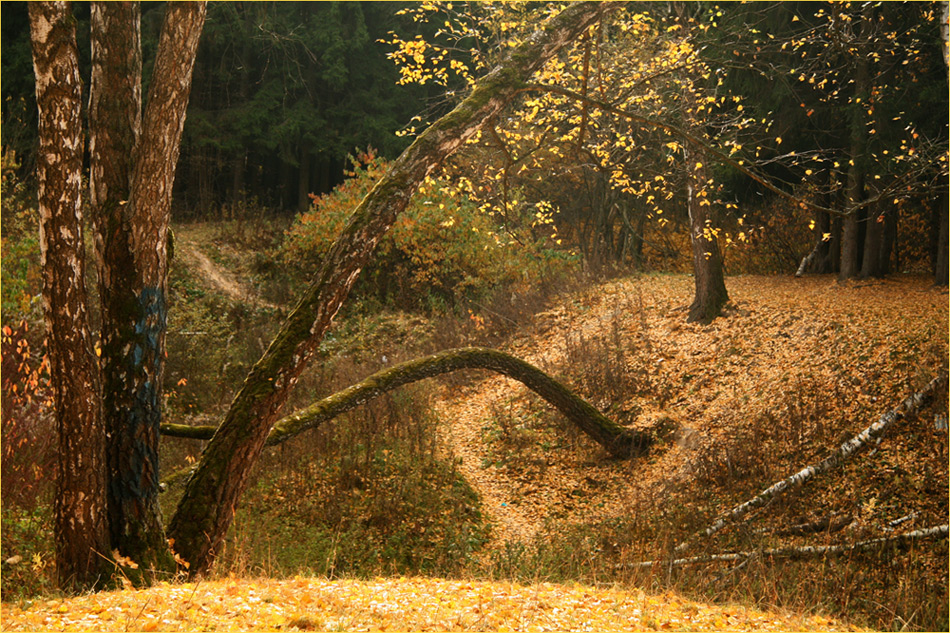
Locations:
133 159
618 440
212 493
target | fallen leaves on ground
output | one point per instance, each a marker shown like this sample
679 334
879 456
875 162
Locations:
845 352
421 604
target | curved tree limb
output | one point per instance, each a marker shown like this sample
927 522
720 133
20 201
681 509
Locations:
843 453
808 551
618 440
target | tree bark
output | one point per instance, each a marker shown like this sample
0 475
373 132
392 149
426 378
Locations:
81 528
133 168
941 273
618 440
872 264
710 295
211 496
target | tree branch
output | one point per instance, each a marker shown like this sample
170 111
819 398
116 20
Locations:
620 441
707 150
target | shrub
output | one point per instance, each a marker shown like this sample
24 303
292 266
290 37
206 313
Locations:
21 280
441 248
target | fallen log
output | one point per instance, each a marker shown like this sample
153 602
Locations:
825 524
618 440
843 453
806 551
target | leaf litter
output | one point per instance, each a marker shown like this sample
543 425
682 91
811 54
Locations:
847 352
418 604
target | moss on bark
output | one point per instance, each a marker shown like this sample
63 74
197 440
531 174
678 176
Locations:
618 440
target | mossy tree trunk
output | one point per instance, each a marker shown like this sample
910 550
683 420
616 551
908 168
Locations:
81 530
618 440
212 493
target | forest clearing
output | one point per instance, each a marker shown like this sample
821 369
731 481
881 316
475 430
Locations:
475 316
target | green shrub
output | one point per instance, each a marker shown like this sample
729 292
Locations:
442 247
20 272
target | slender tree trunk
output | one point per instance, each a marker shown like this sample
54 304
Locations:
889 240
851 256
133 202
81 527
211 496
940 278
871 265
711 292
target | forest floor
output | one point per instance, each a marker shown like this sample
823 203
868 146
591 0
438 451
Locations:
391 604
809 360
795 334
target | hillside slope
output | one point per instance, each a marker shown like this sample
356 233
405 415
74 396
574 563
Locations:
797 365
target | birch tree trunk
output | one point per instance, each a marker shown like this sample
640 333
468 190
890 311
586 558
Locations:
909 407
81 529
133 169
212 493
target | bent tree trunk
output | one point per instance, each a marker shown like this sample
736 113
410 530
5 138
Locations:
618 440
211 495
82 538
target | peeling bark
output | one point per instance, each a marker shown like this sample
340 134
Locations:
81 529
618 440
844 452
211 496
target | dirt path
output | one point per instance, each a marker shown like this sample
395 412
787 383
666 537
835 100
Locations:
519 502
219 279
782 331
